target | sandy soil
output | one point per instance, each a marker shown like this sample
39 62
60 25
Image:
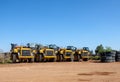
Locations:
60 72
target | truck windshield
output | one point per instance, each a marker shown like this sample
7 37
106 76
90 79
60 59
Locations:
26 53
49 53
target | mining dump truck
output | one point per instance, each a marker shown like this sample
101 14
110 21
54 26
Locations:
21 53
44 54
85 53
76 52
65 54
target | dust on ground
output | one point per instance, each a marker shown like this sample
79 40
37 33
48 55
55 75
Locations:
60 72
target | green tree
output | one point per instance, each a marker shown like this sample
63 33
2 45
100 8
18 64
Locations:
108 49
99 49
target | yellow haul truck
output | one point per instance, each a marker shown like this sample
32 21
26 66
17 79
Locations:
65 54
44 54
85 53
76 52
21 53
79 53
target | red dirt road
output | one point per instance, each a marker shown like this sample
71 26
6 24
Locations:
60 72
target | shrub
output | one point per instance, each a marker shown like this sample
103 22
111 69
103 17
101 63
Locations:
94 57
5 58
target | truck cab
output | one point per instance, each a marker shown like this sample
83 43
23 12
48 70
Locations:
21 53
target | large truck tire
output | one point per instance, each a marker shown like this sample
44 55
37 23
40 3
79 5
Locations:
41 58
14 58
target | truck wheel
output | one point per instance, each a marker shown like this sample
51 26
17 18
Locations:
72 58
54 60
58 58
41 58
61 58
81 59
75 57
20 60
78 58
14 58
31 60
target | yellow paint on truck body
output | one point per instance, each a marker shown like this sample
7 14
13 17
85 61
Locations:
46 56
18 50
49 57
67 57
25 57
64 51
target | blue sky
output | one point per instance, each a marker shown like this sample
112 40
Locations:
62 22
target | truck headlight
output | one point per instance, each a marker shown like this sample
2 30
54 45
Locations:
18 54
32 54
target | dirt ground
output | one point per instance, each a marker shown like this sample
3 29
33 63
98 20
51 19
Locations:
60 72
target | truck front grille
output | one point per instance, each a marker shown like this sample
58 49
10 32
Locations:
26 53
49 53
68 53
